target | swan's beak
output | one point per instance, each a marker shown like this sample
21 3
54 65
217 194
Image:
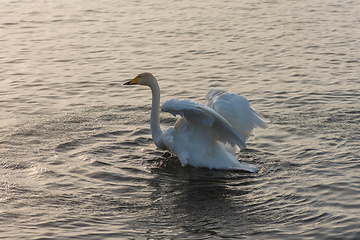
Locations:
133 81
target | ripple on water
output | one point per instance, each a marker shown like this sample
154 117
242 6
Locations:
75 146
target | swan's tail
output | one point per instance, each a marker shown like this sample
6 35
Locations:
246 167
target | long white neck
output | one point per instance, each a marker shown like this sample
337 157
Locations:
156 132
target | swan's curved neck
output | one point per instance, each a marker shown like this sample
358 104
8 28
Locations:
156 132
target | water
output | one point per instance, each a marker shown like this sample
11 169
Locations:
77 158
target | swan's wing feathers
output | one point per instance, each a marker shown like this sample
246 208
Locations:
172 106
259 121
201 114
235 109
191 111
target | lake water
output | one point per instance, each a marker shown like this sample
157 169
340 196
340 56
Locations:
76 156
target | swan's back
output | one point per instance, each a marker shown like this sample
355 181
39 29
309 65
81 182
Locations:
236 110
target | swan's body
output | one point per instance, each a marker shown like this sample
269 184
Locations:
205 135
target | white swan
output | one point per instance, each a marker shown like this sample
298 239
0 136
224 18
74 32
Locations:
205 135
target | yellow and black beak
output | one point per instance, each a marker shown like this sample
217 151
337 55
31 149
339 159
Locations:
133 81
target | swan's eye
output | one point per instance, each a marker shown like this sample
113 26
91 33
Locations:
139 76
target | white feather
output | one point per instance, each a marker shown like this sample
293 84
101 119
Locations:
202 115
194 144
204 135
236 110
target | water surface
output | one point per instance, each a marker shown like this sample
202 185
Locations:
77 158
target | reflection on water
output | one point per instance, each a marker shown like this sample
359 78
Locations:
76 155
203 202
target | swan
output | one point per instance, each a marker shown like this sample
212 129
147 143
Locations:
205 135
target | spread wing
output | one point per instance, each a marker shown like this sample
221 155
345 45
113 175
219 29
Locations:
201 114
236 110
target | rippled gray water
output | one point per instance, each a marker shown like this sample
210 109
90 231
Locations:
77 158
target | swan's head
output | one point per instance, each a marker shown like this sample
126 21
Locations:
142 79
